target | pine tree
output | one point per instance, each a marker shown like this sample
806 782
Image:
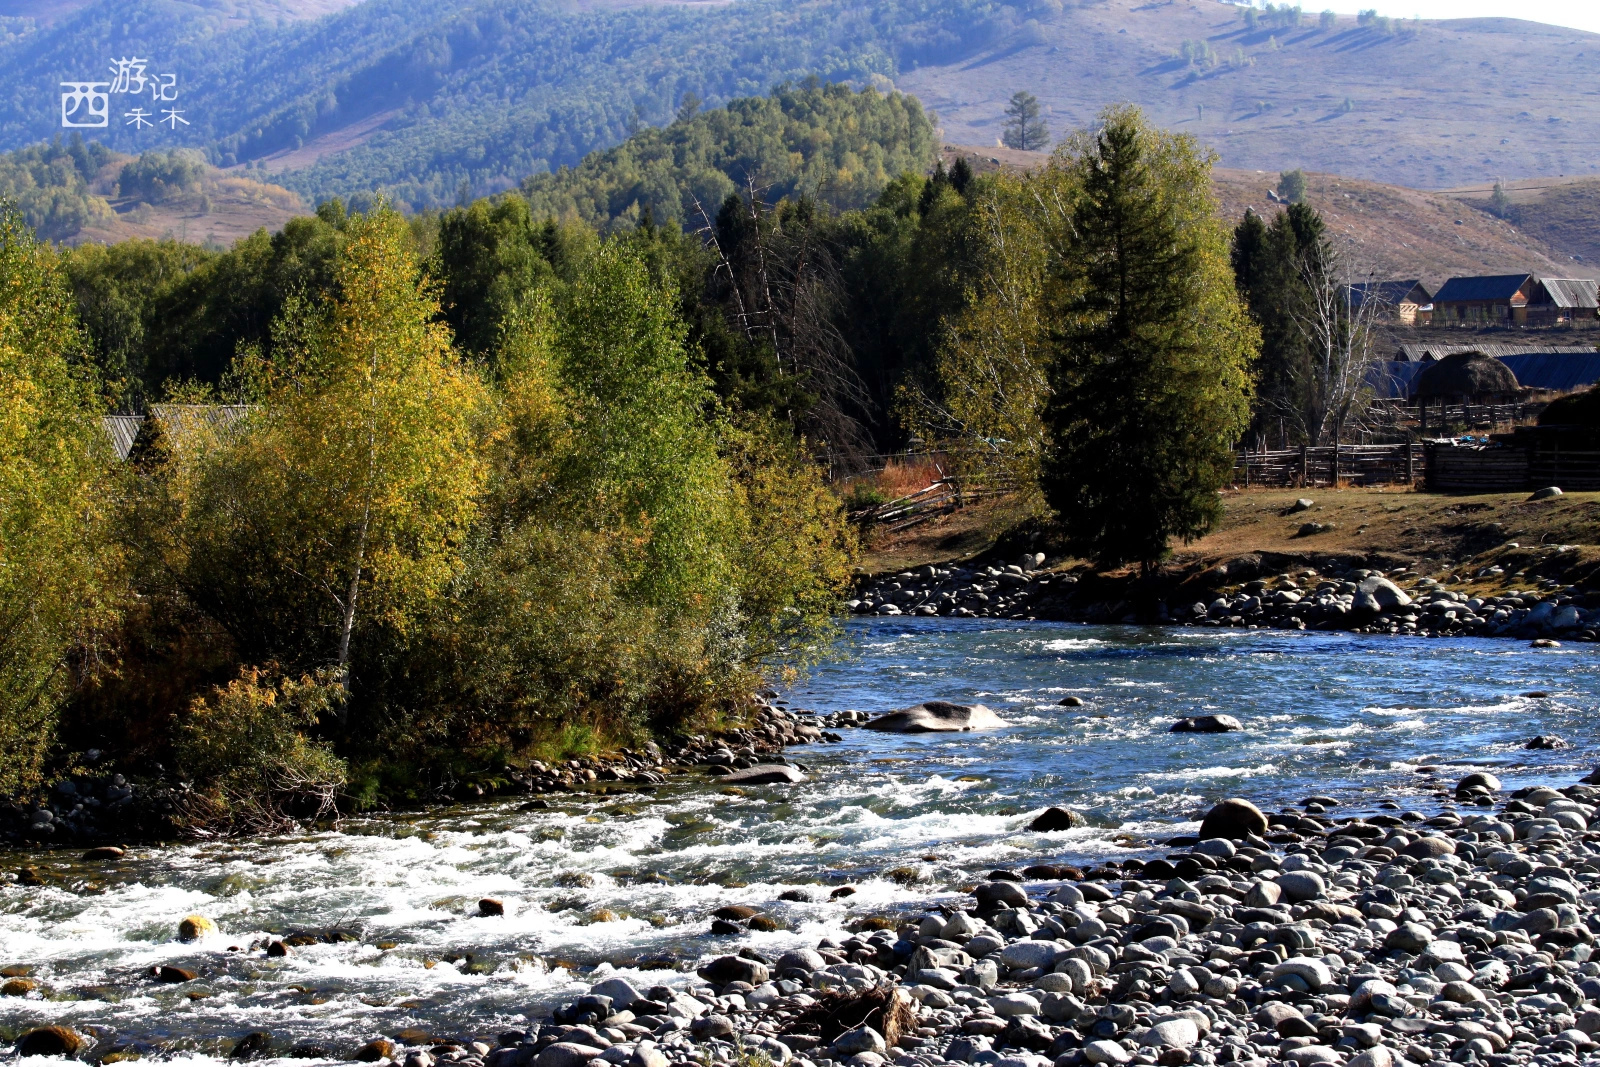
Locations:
1024 129
1271 265
1151 348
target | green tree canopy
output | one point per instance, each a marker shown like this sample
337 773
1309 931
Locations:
1151 347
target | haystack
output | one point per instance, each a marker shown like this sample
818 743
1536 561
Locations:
1467 377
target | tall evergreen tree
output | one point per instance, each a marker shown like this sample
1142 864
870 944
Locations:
1273 266
1024 129
1151 348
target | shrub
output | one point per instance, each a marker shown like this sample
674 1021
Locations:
156 177
247 748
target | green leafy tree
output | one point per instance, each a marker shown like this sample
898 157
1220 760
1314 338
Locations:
59 570
337 511
1024 128
1327 21
1151 347
1292 186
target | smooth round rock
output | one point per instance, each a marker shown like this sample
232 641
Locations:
1234 819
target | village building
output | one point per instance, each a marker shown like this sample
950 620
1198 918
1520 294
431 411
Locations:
1565 300
1407 302
1500 299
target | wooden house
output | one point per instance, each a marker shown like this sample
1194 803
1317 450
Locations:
1500 299
1562 300
1407 302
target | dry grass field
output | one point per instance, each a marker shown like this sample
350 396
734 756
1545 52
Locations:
1439 104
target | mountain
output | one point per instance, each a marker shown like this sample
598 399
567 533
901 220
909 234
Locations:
1389 229
1562 212
1424 104
432 100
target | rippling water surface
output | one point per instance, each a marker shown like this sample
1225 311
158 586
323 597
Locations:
1324 713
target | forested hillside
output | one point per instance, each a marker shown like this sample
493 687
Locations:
433 100
827 143
452 95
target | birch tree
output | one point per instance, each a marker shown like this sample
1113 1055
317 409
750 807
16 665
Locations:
1340 337
341 505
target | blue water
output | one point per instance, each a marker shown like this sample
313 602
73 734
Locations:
1326 713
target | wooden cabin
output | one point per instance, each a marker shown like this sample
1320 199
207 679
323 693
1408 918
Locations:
1562 300
1500 299
1407 302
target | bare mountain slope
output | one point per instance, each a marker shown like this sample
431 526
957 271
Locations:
1437 104
1386 228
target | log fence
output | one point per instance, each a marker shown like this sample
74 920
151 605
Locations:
1307 467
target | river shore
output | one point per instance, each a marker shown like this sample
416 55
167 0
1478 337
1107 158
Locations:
1300 937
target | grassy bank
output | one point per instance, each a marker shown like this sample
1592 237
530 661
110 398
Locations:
1436 534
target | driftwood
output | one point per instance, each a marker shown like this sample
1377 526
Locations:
888 1009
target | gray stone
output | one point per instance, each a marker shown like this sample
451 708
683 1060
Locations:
800 959
1010 1004
1263 894
1430 847
727 969
1233 819
765 774
937 716
1206 724
1106 1052
708 1026
1376 1056
1546 493
1177 1032
648 1057
566 1054
862 1039
1029 954
1313 972
1052 820
1384 592
621 992
1302 885
1409 937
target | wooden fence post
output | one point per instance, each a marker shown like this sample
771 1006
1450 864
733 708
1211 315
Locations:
1305 466
1411 469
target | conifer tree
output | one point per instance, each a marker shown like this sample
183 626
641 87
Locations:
1151 347
1024 129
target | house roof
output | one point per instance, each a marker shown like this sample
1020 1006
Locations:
182 423
1427 352
1390 293
1572 292
1489 287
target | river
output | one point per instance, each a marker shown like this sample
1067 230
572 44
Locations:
1358 718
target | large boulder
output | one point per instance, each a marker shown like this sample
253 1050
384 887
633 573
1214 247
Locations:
1054 819
727 969
1206 724
1233 819
1383 592
937 717
765 774
49 1041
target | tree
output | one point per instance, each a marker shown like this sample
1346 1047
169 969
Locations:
58 564
1339 333
1272 266
1024 129
1292 186
338 509
1327 21
1499 203
1151 347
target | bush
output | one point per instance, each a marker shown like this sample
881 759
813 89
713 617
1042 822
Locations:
246 747
157 177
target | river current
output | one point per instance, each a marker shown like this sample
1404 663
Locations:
627 882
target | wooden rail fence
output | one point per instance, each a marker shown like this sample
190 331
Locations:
1307 467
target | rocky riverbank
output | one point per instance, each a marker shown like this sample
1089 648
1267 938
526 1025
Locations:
109 809
1301 938
1337 596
